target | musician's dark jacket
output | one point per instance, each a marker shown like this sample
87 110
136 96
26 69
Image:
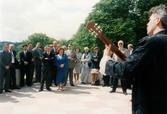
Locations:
147 66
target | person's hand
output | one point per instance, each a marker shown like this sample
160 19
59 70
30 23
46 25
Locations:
25 62
46 58
84 60
40 58
6 67
95 60
62 65
71 59
107 51
32 60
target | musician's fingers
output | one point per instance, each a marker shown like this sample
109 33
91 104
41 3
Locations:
109 46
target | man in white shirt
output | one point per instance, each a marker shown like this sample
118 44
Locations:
13 68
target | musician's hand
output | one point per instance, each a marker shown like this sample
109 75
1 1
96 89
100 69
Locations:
107 51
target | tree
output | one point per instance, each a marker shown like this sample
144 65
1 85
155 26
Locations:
119 19
34 38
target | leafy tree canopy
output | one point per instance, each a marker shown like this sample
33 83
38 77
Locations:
119 19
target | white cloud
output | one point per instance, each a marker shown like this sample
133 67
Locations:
56 18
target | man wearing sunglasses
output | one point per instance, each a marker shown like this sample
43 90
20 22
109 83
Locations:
116 58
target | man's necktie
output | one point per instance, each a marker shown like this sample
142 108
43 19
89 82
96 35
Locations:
25 54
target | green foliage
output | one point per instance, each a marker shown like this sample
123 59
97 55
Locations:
34 38
40 37
119 19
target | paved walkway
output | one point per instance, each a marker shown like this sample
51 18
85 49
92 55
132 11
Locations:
80 99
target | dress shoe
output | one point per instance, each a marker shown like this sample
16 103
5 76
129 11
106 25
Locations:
8 91
104 85
21 85
49 89
112 91
124 93
11 87
92 84
72 85
16 87
40 90
29 85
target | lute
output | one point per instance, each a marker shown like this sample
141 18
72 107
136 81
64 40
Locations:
97 32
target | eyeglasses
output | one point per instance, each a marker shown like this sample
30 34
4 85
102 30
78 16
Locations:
120 44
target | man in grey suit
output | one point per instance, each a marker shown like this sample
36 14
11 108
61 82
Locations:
5 63
37 55
71 64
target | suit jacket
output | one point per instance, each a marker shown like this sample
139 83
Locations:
95 64
5 59
37 53
54 51
48 61
71 63
27 58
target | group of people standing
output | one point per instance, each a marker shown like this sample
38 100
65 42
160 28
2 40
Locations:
54 65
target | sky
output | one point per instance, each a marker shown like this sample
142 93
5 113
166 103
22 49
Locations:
59 19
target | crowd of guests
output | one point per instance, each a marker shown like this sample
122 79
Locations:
54 65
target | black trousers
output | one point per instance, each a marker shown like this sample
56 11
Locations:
12 75
4 75
38 72
47 75
123 84
70 75
31 72
25 70
106 79
53 78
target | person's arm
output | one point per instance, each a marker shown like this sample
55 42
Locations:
21 57
57 64
66 60
1 62
135 64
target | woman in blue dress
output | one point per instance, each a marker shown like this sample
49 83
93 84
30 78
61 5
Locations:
61 62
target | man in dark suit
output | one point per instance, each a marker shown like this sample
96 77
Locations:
14 64
5 63
25 59
47 59
54 51
32 62
37 55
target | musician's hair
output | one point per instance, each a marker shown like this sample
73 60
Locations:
161 12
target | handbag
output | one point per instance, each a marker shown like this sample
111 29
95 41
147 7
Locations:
90 64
